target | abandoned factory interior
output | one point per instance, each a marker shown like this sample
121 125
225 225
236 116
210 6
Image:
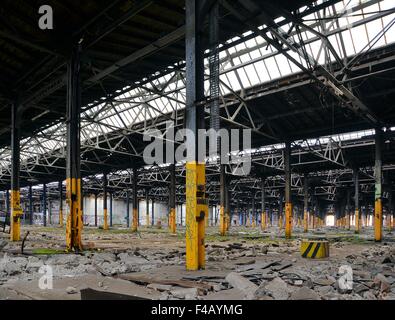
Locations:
197 150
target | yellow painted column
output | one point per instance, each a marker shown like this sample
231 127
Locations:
196 212
288 220
263 220
105 213
378 220
105 218
135 220
74 218
280 221
61 218
172 220
348 221
357 221
305 221
60 204
16 213
135 214
388 222
222 222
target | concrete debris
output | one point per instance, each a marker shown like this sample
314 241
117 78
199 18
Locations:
239 282
276 288
304 294
71 290
159 287
185 293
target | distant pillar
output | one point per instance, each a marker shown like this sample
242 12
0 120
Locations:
378 207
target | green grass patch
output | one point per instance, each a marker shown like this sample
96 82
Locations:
48 251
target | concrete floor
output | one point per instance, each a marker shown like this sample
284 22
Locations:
151 264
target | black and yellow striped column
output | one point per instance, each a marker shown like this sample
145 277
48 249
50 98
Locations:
16 210
288 203
105 209
222 213
306 204
378 207
73 172
60 204
147 219
263 206
356 201
196 213
135 215
172 199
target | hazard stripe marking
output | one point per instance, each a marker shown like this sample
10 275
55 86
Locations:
316 250
307 250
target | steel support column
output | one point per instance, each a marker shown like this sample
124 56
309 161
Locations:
16 210
263 206
30 204
135 204
152 211
348 210
356 201
196 201
227 204
378 207
111 198
390 209
73 170
222 213
95 209
44 204
306 204
288 202
127 208
253 222
147 208
172 199
105 220
60 204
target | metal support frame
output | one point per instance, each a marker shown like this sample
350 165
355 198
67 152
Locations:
378 206
196 201
73 166
288 200
16 210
